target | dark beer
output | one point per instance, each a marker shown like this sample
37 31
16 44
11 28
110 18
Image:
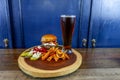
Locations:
67 25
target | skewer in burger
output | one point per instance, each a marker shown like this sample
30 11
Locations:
49 40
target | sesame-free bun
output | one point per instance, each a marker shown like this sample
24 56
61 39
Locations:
48 38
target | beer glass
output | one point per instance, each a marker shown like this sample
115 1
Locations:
67 25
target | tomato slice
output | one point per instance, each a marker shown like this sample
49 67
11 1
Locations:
42 49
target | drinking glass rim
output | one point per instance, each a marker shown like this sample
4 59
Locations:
68 16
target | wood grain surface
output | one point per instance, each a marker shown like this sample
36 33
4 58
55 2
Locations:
97 64
80 74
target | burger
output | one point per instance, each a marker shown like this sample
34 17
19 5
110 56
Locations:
49 40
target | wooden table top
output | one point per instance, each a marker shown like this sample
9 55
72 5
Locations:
98 64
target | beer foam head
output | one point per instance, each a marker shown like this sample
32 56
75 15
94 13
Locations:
67 16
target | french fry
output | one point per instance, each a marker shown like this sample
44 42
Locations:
67 56
52 49
54 53
56 49
60 55
63 55
50 58
55 58
63 58
45 56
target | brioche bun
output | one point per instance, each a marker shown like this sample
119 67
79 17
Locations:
48 38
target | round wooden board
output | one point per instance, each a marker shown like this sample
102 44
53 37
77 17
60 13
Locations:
35 72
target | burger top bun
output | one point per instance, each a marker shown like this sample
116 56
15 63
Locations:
48 38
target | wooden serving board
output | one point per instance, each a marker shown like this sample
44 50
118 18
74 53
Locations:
41 73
